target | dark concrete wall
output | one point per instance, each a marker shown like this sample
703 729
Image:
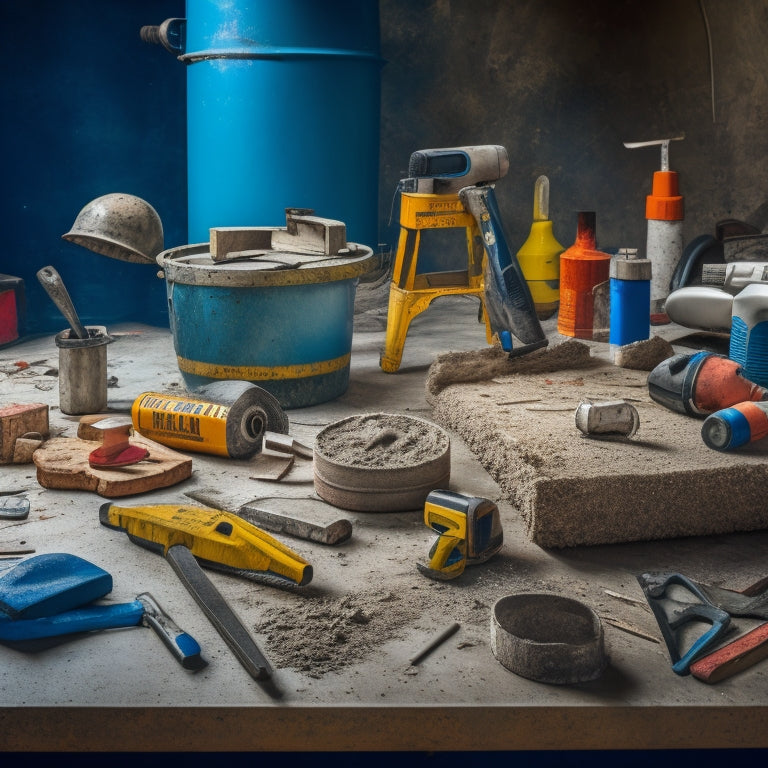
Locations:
563 84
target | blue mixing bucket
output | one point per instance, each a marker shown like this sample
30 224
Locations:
286 330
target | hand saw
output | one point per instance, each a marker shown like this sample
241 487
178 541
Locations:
219 540
673 616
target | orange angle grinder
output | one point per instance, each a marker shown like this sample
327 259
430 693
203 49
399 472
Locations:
701 383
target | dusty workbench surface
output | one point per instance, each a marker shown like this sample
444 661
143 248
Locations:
341 646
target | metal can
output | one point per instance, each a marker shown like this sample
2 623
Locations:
614 417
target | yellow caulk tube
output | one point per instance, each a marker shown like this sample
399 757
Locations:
539 256
225 418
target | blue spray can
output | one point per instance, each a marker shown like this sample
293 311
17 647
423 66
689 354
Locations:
630 291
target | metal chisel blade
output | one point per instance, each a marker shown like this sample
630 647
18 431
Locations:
223 618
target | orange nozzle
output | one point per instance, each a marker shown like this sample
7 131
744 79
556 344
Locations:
665 203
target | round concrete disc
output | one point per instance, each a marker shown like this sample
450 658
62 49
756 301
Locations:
548 638
380 462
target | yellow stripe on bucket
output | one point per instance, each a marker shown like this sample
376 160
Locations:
263 372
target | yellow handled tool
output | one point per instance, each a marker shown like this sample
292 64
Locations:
219 540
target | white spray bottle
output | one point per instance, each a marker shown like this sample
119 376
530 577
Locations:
664 212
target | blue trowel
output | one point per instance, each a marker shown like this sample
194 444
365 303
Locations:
52 595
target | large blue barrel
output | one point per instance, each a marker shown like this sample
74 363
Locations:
283 107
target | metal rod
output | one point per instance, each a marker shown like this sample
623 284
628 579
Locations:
436 640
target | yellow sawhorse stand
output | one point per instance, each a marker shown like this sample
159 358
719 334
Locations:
411 293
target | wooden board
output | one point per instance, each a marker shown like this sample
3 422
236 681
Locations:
226 240
62 463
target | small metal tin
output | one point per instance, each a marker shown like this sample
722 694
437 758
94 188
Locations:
14 507
614 417
83 371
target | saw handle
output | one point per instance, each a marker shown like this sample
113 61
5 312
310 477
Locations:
654 586
719 620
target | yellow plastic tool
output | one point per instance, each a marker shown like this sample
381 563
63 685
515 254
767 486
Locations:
448 553
219 540
539 256
469 532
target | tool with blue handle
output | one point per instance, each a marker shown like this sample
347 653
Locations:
674 616
508 299
52 595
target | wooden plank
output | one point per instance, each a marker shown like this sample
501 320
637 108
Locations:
62 463
226 240
740 654
311 234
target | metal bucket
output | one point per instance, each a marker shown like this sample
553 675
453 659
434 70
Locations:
286 330
283 109
83 370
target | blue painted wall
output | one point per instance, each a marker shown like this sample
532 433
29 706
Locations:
88 109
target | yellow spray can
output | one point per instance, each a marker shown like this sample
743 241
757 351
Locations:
539 256
224 418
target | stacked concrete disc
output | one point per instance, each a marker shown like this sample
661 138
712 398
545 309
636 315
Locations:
380 462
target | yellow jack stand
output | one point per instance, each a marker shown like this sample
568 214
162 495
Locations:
411 293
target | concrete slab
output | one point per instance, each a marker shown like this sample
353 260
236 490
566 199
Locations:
575 489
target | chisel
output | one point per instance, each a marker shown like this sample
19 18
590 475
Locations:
215 607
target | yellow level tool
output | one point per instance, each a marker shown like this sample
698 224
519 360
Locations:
219 540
